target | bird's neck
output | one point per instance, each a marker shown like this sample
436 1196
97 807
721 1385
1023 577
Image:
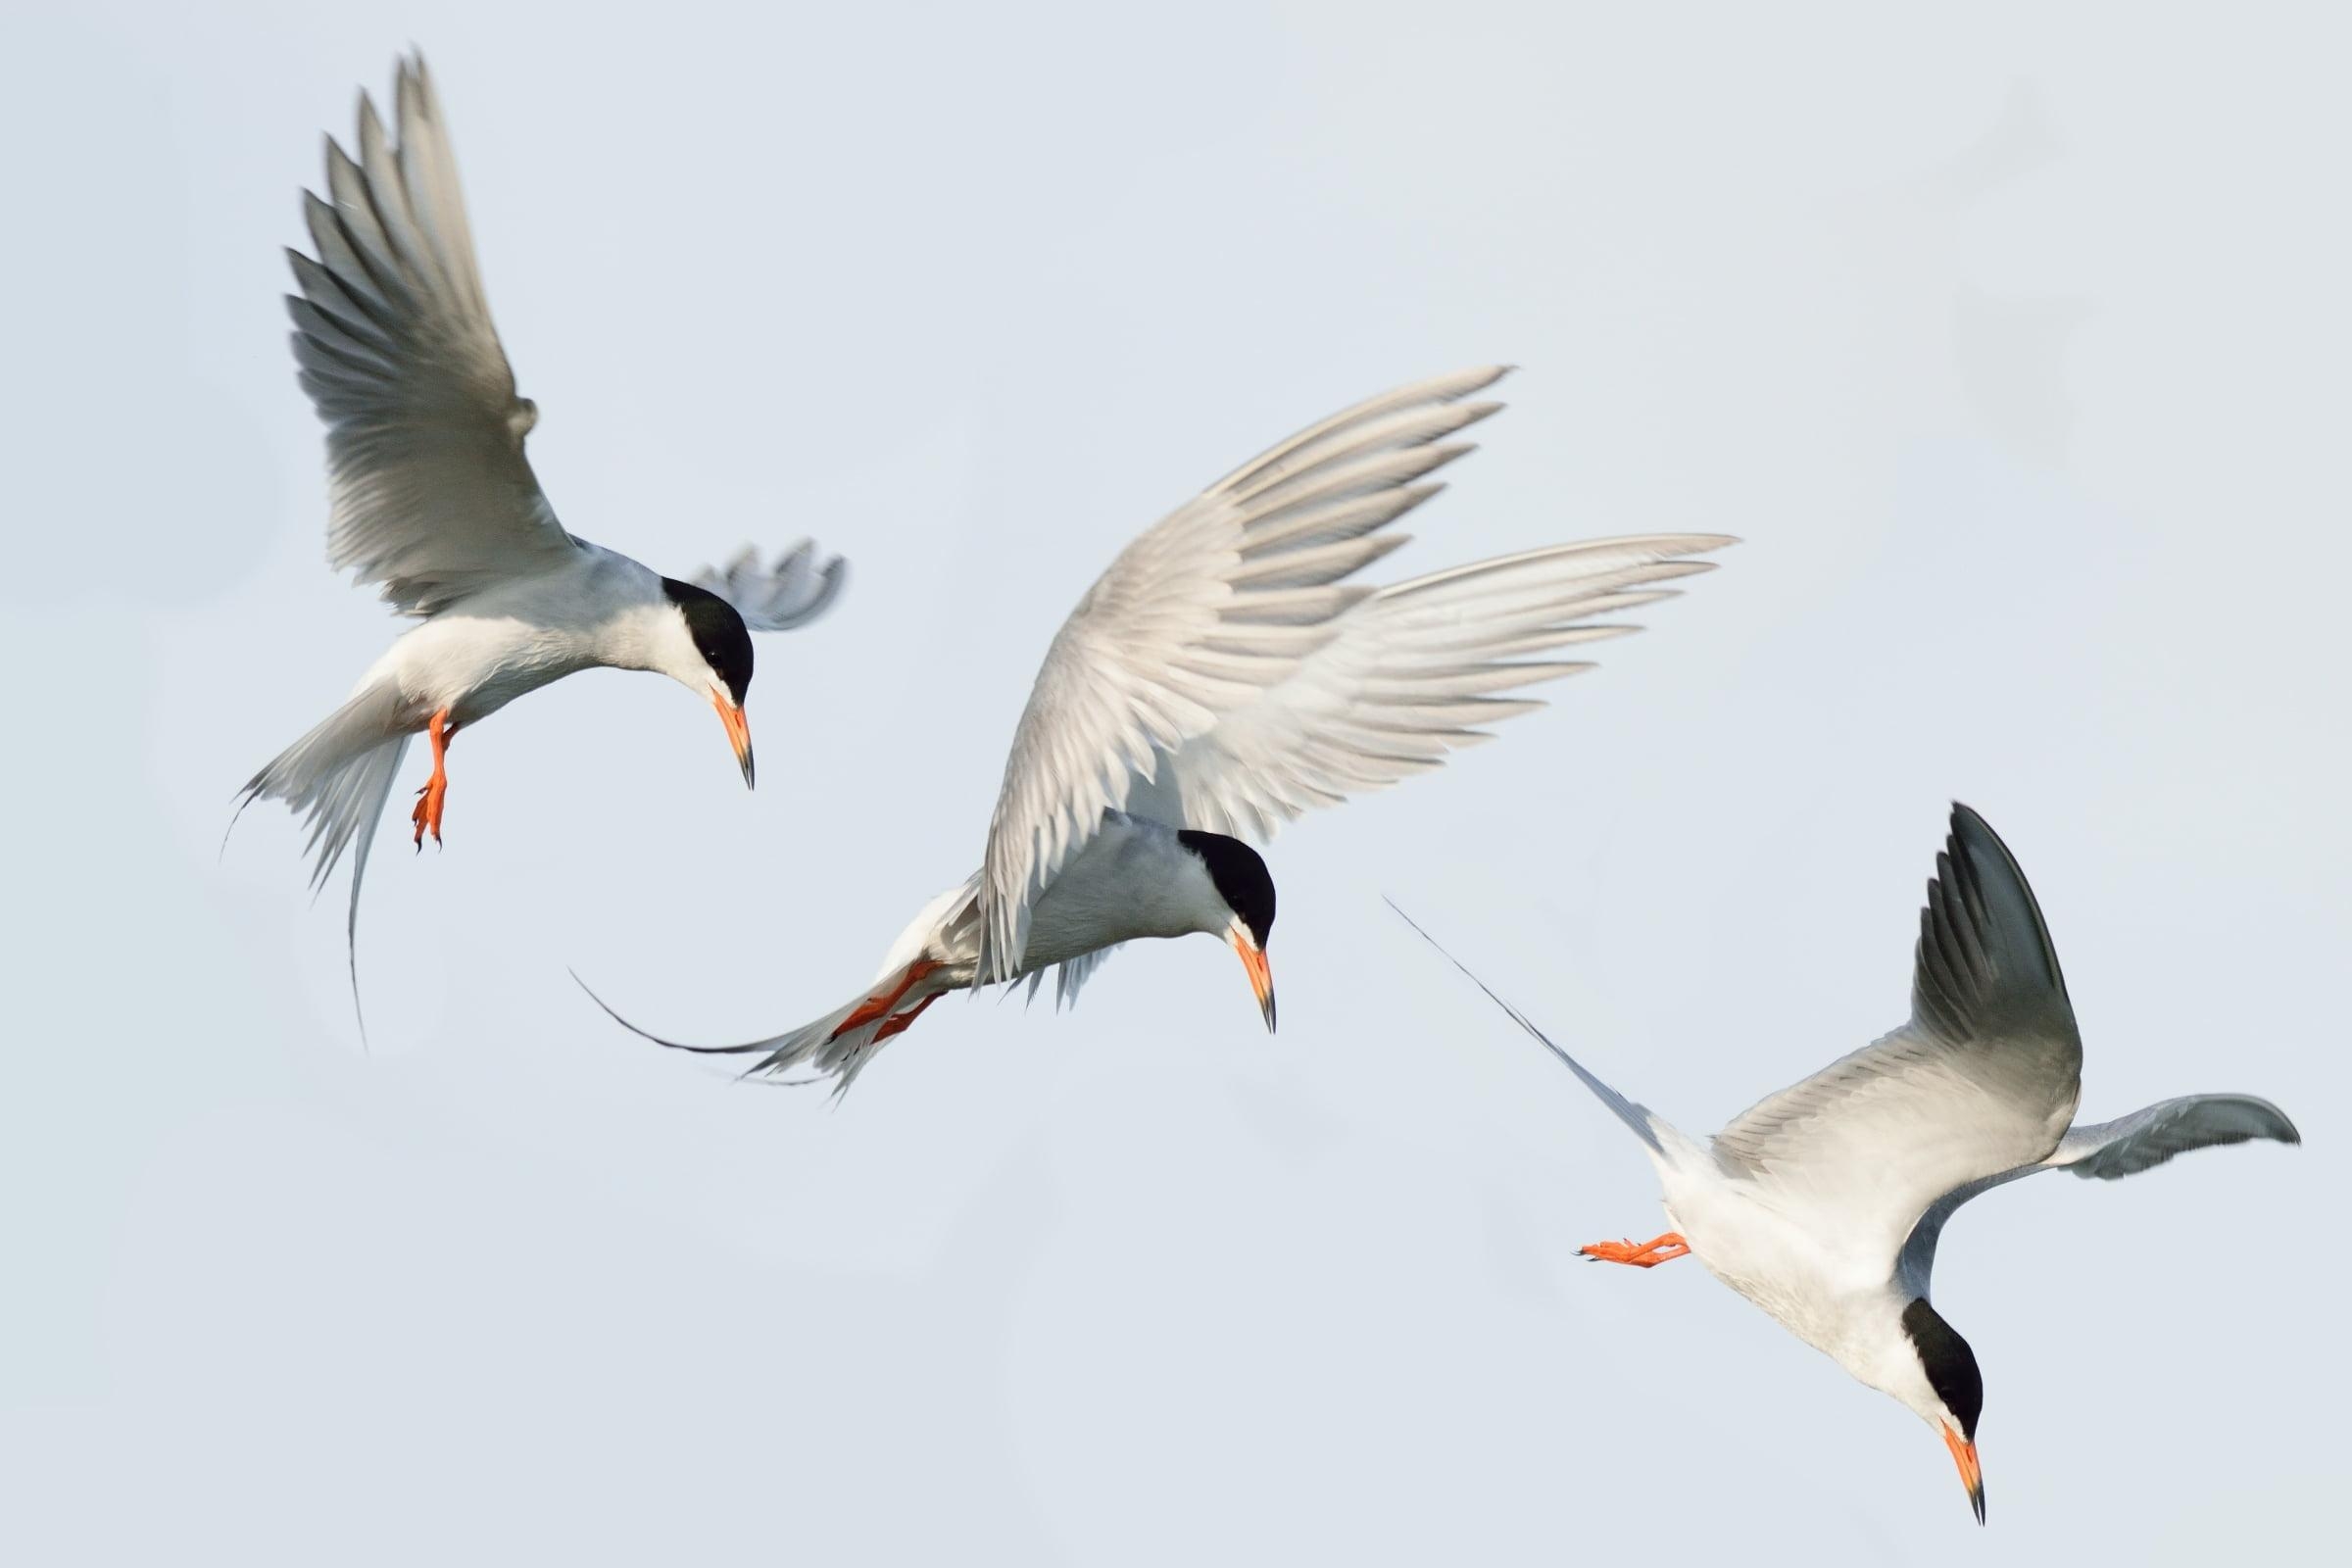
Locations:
636 626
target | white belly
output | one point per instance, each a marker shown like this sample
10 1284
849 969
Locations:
1130 881
474 665
1778 1266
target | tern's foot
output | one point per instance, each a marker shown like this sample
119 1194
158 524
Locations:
879 1005
1642 1254
897 1022
428 812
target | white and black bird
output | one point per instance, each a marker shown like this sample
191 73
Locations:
1223 676
1823 1204
432 497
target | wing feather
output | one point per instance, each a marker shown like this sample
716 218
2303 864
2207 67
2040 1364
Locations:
1416 670
2110 1150
1219 600
2147 1138
431 495
1224 674
1984 1079
795 590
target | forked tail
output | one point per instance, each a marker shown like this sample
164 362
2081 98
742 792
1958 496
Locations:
837 1046
337 779
1635 1117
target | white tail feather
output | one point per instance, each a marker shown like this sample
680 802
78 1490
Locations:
822 1044
337 779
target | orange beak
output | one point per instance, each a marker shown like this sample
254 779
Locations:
738 733
1261 973
1972 1475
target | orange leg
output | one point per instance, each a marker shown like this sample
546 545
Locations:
427 814
879 1005
898 1025
1642 1254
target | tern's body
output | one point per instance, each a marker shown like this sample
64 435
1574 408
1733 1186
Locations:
1223 676
598 610
1801 1278
1824 1203
435 499
1133 880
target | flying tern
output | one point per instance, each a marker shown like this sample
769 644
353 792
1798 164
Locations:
1823 1204
432 497
1221 677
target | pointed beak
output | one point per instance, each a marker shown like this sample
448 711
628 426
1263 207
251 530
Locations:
738 733
1972 1475
1261 973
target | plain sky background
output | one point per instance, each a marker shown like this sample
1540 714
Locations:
2012 343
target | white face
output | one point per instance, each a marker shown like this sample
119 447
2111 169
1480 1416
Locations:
670 650
1898 1374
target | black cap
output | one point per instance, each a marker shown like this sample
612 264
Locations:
718 632
1241 877
1951 1366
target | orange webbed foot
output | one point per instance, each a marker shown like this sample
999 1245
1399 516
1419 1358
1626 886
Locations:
880 1003
1640 1255
896 1023
427 814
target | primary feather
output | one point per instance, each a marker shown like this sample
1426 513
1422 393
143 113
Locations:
431 495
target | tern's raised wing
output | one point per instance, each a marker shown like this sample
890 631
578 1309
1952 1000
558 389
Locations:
1984 1079
800 587
2109 1150
1219 600
431 494
1410 674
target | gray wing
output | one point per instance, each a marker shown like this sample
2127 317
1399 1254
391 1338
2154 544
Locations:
2110 1149
2148 1138
800 587
1981 1080
430 493
1211 605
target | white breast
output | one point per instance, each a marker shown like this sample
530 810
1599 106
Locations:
1770 1259
490 648
1132 880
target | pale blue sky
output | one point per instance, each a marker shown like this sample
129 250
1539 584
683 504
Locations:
2013 344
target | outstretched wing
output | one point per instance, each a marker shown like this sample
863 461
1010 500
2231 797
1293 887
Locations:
1984 1078
431 495
1412 673
1216 602
2110 1149
800 587
2148 1138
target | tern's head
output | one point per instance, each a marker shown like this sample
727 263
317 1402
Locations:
703 645
1245 905
1943 1384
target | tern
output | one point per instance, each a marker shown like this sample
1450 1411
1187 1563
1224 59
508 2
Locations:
1222 678
1823 1204
431 497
